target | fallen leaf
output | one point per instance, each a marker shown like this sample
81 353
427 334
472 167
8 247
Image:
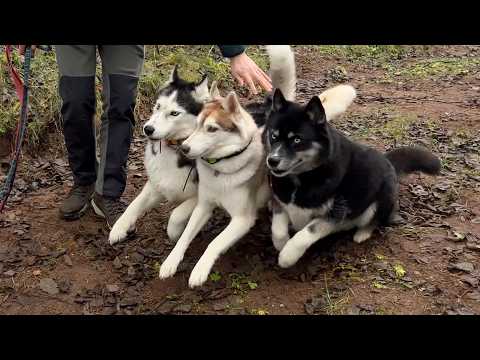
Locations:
399 271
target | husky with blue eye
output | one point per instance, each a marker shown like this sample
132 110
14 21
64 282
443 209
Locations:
171 176
322 182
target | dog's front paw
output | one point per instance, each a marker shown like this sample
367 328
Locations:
170 265
120 231
288 256
361 235
199 274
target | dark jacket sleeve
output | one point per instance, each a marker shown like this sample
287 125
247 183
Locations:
231 50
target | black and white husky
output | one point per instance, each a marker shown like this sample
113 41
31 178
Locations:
170 174
324 183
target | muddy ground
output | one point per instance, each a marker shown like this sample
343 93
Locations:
428 265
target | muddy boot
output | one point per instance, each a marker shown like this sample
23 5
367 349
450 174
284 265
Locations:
77 201
109 208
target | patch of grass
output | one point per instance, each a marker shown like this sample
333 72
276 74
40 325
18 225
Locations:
215 276
436 68
397 128
259 312
44 100
241 283
366 53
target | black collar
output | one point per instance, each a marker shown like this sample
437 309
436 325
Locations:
212 161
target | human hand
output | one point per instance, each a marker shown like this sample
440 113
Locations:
247 72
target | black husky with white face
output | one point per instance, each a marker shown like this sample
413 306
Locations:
323 183
296 137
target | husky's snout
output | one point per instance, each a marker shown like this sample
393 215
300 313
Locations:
273 161
148 130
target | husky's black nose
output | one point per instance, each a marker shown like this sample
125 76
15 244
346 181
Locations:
273 161
148 130
185 149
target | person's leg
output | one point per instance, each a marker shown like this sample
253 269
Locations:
121 67
76 64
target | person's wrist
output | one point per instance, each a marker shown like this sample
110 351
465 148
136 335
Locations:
238 57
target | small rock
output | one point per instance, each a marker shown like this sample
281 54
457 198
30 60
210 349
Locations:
113 288
9 273
36 272
463 266
185 308
219 307
49 286
473 246
67 260
475 295
117 264
470 280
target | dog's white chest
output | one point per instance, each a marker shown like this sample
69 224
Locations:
165 175
300 217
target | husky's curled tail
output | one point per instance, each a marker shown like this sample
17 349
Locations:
282 69
283 73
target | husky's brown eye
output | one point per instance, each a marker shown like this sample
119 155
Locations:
174 113
212 129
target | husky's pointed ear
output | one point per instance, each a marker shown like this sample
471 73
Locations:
232 104
279 102
201 87
174 75
214 92
315 111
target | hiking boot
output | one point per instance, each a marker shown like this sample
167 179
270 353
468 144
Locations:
76 202
109 208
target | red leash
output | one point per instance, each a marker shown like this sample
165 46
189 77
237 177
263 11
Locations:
14 73
22 93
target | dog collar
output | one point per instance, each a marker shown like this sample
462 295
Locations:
212 161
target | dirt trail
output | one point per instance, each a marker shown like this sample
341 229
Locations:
429 265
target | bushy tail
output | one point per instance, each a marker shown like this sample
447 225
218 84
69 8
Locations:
282 70
336 100
407 160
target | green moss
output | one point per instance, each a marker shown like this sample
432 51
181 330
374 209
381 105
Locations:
436 68
366 53
397 128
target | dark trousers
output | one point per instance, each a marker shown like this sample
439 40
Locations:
121 68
